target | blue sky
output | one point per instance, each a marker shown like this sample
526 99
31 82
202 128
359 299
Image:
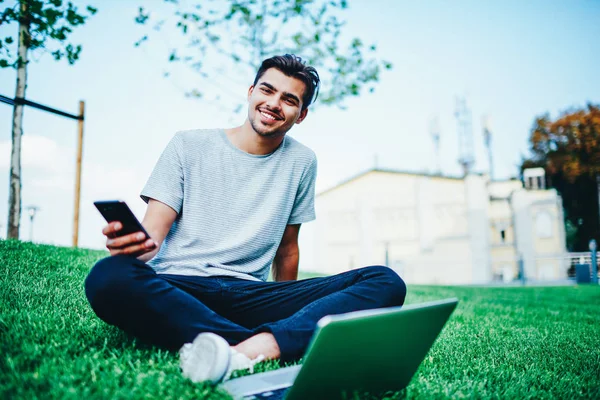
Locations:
512 60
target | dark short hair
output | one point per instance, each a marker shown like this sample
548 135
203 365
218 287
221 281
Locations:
295 67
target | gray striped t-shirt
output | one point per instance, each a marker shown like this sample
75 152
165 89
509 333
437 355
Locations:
232 206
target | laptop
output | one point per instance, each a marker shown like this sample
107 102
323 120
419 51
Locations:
365 351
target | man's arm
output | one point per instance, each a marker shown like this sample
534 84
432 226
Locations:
157 221
285 264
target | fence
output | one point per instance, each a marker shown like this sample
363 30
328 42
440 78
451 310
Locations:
544 268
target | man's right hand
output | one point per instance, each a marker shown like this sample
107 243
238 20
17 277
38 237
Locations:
133 244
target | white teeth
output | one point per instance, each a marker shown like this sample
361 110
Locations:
267 115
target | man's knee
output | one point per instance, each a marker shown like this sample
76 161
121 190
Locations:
106 280
391 284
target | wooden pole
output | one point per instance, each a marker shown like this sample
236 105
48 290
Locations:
78 173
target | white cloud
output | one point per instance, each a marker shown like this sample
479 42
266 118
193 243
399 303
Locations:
102 181
62 183
50 165
37 152
49 182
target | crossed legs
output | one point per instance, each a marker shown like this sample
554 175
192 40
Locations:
276 319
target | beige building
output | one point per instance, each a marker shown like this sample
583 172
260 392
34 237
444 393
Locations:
436 229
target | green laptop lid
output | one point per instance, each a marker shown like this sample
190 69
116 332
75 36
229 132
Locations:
369 351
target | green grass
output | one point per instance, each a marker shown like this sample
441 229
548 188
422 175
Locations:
500 342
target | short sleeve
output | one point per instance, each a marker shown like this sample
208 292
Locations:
166 181
304 204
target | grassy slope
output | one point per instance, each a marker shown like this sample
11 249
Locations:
500 342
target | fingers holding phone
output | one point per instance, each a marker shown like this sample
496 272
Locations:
134 244
111 230
124 233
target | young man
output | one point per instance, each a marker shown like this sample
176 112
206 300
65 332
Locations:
225 207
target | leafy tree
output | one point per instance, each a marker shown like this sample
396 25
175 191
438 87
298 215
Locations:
41 24
237 35
568 148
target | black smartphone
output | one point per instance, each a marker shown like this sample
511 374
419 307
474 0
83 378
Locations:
116 210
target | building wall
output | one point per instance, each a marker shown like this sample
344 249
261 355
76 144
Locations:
416 224
479 228
503 253
540 233
436 230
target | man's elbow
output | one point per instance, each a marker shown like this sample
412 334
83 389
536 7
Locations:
287 251
286 264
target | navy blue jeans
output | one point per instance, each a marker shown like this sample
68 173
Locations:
170 310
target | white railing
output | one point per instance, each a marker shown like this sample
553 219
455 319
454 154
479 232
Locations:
580 258
549 267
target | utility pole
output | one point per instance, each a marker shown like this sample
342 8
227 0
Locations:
598 188
434 131
465 135
594 255
80 118
487 138
78 173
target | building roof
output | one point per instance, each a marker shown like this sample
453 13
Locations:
389 171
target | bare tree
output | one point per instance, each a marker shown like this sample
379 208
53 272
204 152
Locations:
40 23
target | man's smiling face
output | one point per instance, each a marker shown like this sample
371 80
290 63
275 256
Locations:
275 103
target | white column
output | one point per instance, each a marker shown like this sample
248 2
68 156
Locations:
477 197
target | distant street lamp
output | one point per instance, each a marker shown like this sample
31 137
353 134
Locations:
31 210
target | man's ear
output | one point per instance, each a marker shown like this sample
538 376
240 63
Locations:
302 115
250 89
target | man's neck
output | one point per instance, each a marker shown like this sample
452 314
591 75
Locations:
246 139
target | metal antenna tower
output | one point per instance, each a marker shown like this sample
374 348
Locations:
487 138
465 135
434 131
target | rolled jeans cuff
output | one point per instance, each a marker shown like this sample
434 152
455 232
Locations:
291 342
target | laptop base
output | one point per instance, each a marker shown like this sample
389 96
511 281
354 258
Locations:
262 383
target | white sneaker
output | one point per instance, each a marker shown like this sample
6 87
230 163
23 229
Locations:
210 358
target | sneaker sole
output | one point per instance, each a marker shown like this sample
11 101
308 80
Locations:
205 359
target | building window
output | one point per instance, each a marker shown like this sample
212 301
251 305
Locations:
534 178
503 235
